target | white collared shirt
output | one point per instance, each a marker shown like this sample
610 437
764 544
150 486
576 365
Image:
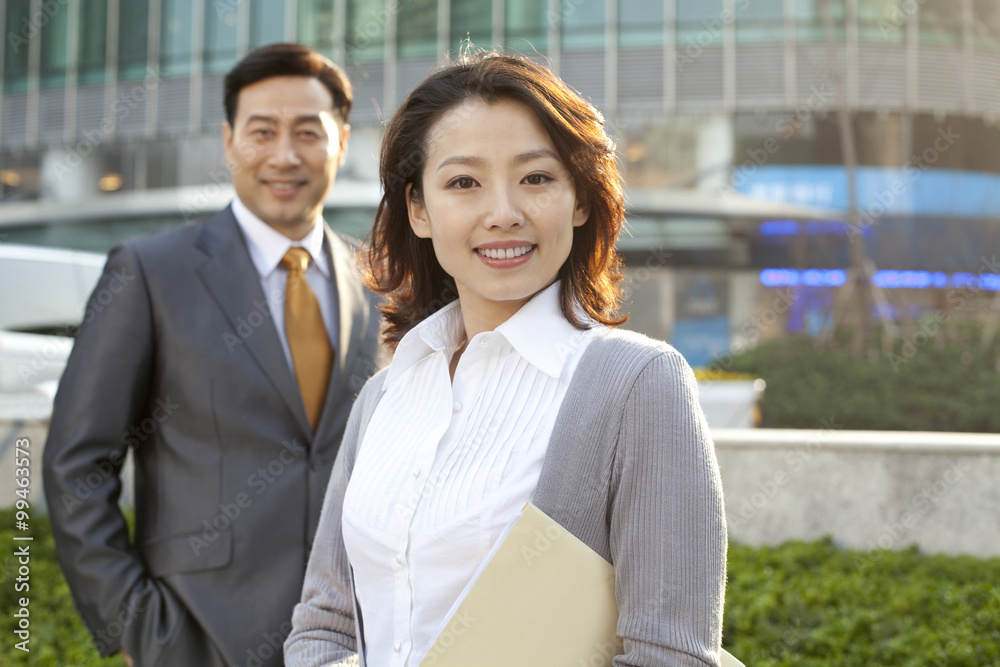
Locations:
445 464
267 246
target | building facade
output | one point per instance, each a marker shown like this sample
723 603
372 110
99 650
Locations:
715 98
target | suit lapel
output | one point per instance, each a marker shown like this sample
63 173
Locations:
231 278
354 319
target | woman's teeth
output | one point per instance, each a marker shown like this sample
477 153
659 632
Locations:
504 253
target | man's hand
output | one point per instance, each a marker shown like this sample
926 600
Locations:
127 657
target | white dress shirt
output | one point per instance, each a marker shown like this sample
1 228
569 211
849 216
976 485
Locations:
267 246
445 464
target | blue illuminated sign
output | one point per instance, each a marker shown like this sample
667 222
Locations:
885 279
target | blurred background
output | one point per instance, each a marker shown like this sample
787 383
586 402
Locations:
813 221
787 160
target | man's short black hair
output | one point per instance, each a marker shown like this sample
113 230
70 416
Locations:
288 60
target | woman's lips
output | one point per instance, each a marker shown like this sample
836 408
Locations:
506 257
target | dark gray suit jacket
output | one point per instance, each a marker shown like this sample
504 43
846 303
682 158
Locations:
178 358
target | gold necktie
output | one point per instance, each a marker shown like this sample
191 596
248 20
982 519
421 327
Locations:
312 354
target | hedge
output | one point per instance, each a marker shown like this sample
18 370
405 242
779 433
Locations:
940 386
801 604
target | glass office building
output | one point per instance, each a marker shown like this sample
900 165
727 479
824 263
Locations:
709 98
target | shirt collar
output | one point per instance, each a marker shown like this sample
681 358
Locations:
267 245
444 331
541 333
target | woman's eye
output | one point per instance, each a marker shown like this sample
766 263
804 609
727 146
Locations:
462 183
537 179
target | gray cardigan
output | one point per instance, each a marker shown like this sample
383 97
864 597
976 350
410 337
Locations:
630 470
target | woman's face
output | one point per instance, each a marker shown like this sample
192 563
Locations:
498 205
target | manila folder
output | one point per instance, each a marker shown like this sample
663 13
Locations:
542 598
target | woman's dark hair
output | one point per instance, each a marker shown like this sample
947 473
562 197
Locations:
287 60
403 266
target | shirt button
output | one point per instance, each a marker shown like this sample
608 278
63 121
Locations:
483 342
416 473
457 406
399 559
396 647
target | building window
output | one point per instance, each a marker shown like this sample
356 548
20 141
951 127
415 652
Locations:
417 36
93 41
221 27
15 71
820 20
366 23
640 23
175 38
525 25
53 60
881 21
473 20
582 24
267 23
986 24
700 22
133 37
760 21
940 22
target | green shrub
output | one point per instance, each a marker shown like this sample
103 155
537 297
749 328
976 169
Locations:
939 386
58 637
812 605
796 605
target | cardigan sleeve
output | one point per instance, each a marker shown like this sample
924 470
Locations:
323 627
667 523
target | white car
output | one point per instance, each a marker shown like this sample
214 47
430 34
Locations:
45 289
41 290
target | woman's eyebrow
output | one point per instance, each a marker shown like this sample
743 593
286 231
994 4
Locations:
473 161
469 160
535 155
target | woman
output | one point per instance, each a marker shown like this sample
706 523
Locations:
494 245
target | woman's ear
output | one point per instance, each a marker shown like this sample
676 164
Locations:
581 213
417 212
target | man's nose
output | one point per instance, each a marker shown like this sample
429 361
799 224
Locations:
284 152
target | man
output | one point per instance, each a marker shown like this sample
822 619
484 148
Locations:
230 370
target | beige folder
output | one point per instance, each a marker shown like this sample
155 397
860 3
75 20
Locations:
542 598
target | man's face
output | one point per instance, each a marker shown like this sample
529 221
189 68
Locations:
284 150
